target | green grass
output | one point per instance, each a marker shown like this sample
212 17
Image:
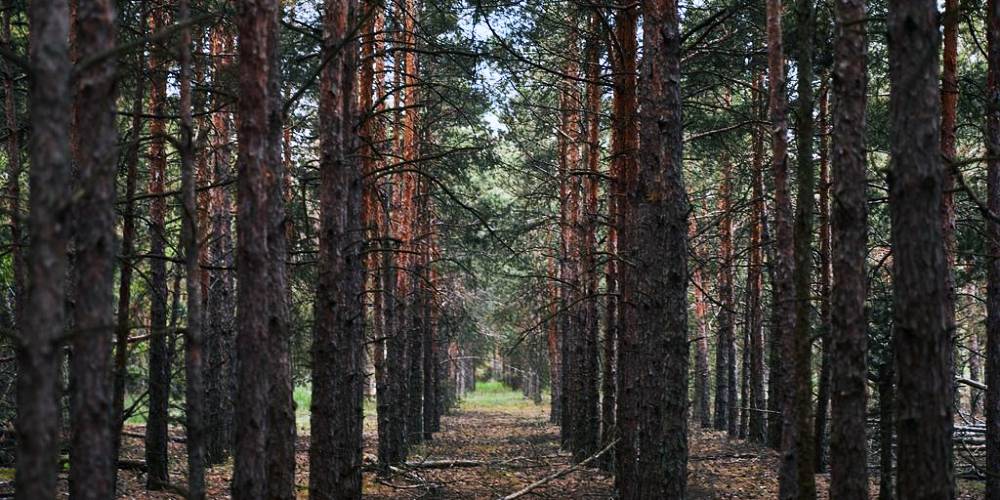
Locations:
493 393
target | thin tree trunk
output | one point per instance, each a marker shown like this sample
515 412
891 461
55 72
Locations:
702 401
796 474
823 396
159 359
757 432
123 322
783 307
195 382
993 263
724 363
920 270
588 414
220 306
37 421
281 412
849 235
625 143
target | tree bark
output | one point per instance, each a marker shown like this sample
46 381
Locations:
338 342
725 364
757 431
195 382
159 357
702 401
993 247
849 235
219 304
783 308
625 145
825 277
659 274
37 421
254 21
922 338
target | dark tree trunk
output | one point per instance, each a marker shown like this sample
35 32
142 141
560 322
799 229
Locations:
702 401
886 430
338 342
783 306
949 122
588 413
757 431
993 249
123 322
920 271
625 140
91 460
219 304
554 342
255 19
159 358
571 326
849 235
725 364
823 396
796 474
193 354
37 422
281 411
658 273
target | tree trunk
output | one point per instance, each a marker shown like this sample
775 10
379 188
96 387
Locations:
254 20
123 322
159 358
825 277
796 475
588 413
725 364
783 308
757 431
281 411
922 338
702 403
338 342
195 383
37 422
220 335
886 428
849 235
625 144
993 248
659 273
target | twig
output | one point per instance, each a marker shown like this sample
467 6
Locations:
547 479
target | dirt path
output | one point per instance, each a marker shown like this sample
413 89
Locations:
515 438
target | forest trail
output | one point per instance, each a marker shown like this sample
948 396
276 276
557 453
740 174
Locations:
513 437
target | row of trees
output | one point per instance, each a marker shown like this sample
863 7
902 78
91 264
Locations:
330 281
817 256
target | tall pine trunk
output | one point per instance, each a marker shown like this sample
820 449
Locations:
37 422
993 249
920 285
849 235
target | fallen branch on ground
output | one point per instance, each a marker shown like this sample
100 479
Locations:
547 479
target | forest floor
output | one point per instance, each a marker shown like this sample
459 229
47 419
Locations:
500 443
